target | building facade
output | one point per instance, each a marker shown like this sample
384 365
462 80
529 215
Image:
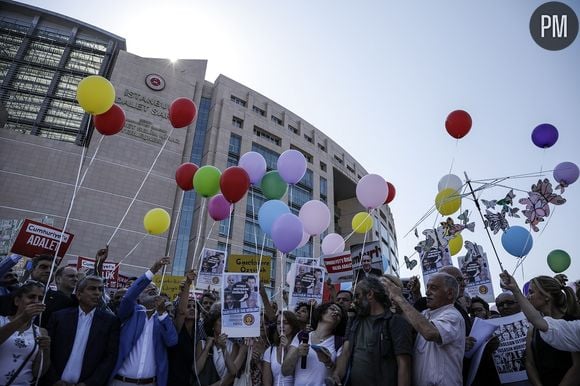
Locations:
48 146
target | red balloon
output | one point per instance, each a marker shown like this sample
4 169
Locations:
110 122
458 123
234 183
391 194
182 112
184 175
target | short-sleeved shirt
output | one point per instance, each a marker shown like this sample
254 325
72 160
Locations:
270 356
441 363
315 371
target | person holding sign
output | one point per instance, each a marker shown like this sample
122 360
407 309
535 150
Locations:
272 367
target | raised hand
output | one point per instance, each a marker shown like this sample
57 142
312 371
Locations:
32 310
508 282
160 263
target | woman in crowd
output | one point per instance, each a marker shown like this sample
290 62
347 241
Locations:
23 346
289 326
303 313
320 347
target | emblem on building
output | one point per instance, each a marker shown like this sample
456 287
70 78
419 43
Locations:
155 82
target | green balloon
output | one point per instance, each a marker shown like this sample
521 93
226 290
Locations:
558 260
273 186
206 181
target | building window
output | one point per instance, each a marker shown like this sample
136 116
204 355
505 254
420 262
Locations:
270 156
322 166
306 181
350 168
237 100
308 138
322 147
238 122
323 189
276 120
266 135
293 129
258 110
308 156
338 159
235 144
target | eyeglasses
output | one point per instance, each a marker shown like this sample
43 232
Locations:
507 303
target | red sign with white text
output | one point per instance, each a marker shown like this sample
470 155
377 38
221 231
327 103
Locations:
36 238
110 270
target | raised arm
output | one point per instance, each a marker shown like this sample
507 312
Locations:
269 312
534 316
183 299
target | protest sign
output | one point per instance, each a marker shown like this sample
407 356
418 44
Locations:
306 284
211 268
475 270
36 238
369 261
171 285
433 260
339 267
240 305
249 264
307 261
110 271
9 231
509 358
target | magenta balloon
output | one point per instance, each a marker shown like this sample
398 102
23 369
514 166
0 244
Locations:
371 191
566 173
332 243
291 166
315 217
287 232
254 164
219 208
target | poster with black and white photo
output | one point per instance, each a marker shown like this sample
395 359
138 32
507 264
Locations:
306 284
509 358
433 260
211 268
475 270
368 261
240 305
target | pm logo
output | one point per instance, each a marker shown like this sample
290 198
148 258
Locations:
554 26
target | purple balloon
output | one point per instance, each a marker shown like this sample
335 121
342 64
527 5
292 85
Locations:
566 173
219 208
254 164
287 232
544 135
291 166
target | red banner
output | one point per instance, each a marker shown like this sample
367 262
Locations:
36 238
110 270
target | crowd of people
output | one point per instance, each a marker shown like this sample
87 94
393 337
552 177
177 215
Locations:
76 335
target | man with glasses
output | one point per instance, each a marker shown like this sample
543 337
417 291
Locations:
506 304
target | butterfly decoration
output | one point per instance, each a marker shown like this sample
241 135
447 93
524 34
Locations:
410 263
495 221
450 229
489 204
434 238
537 203
416 233
473 250
464 217
511 211
508 200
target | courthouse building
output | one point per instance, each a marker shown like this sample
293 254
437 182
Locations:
47 143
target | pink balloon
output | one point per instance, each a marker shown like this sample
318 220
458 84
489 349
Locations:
291 166
332 243
305 239
219 208
255 164
315 217
371 191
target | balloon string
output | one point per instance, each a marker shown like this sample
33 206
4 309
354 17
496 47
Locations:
141 187
228 230
261 253
162 279
282 278
131 251
175 223
361 256
254 219
206 238
200 213
91 161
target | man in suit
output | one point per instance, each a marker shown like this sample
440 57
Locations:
367 269
146 334
85 340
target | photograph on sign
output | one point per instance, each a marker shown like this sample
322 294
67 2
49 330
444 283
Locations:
240 305
249 264
306 284
369 261
211 268
433 260
475 270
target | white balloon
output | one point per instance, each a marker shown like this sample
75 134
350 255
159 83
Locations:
372 191
332 243
315 217
450 181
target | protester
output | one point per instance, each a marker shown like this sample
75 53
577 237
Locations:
146 332
207 301
440 343
288 326
23 346
116 299
85 339
479 308
66 279
303 313
8 279
507 304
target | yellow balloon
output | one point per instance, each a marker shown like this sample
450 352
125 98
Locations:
95 94
362 222
448 201
455 244
156 221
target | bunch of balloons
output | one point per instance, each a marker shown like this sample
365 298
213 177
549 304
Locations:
448 200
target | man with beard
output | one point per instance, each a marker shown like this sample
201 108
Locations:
379 343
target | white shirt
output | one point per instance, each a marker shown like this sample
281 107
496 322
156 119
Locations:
271 357
562 334
72 370
315 371
441 363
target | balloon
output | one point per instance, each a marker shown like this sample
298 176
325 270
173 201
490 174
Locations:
182 112
517 241
95 94
184 175
455 244
566 173
206 180
544 135
156 221
273 186
269 212
526 288
362 222
371 191
234 183
287 232
110 122
450 181
391 192
291 166
305 239
558 260
219 208
332 243
254 164
448 201
315 217
458 124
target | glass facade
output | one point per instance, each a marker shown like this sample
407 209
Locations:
40 67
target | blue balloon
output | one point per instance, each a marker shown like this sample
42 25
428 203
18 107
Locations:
517 241
269 212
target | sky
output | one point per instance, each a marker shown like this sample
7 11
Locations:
379 78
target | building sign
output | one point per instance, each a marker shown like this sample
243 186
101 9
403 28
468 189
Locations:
147 132
36 238
143 103
155 82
